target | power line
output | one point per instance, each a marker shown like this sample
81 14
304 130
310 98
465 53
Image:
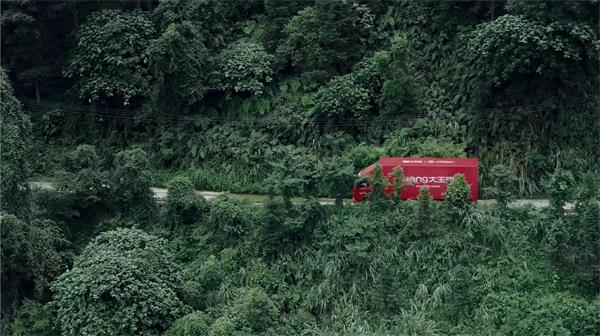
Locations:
130 114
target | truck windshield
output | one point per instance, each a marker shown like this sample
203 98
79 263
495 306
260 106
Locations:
362 183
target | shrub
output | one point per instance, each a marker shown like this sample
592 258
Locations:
398 181
254 310
82 157
504 184
542 314
336 176
246 67
181 66
131 180
184 205
404 143
458 193
125 282
560 187
291 175
342 99
227 219
33 319
193 324
363 155
379 183
423 213
32 256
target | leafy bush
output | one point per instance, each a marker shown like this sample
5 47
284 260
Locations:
542 314
401 144
124 282
503 184
363 155
33 254
341 99
327 37
32 318
560 186
378 183
458 192
423 214
192 324
254 311
228 220
246 68
184 206
291 176
130 179
83 157
336 175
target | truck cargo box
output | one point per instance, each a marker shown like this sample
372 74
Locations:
431 173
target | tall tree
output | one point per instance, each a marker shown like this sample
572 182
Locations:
15 129
108 60
181 65
125 282
327 38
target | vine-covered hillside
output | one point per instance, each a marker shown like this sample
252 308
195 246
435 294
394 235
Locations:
102 100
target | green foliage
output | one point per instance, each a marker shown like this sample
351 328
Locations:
254 311
192 324
83 157
503 185
291 175
458 195
341 99
397 92
549 11
130 179
184 206
511 82
423 213
15 128
227 219
378 183
32 256
208 17
33 319
560 186
363 155
109 61
542 314
523 70
246 68
327 37
407 142
181 66
398 181
336 175
124 282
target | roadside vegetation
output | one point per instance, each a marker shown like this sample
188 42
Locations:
290 99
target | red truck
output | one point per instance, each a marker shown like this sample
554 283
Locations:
431 173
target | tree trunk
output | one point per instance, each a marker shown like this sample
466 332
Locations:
36 84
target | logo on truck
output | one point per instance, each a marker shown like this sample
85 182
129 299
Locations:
429 179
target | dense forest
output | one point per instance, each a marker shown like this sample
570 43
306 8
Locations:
290 98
